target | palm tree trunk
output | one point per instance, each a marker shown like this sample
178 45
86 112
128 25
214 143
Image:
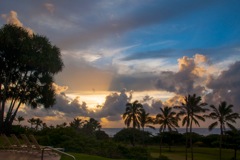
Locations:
220 144
191 145
186 150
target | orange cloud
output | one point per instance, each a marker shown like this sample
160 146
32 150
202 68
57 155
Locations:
12 18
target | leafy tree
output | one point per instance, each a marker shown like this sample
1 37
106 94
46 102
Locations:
190 109
223 115
27 66
167 119
20 119
132 114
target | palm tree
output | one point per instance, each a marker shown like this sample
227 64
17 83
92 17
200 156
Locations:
167 119
132 114
31 121
191 108
145 120
224 116
38 122
19 119
76 123
91 126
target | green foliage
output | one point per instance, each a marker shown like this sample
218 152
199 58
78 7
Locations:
101 135
131 135
211 140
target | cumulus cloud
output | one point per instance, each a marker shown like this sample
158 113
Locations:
189 79
114 106
226 87
12 18
64 110
59 89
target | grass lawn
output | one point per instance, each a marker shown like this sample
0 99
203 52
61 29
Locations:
178 153
79 156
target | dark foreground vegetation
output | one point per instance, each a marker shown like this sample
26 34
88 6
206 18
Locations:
89 140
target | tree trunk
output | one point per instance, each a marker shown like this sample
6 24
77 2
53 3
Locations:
220 144
191 145
186 150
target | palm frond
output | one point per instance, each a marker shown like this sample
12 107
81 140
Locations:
213 125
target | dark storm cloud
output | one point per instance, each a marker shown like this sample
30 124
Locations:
226 87
64 106
70 108
114 106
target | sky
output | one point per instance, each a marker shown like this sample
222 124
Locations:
153 51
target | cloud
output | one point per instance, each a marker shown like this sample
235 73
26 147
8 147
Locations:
59 89
12 18
226 87
163 53
50 7
114 106
136 18
189 79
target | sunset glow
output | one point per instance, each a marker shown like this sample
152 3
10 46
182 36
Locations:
116 52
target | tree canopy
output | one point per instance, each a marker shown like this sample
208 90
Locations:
27 66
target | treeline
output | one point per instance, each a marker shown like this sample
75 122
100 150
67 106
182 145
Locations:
87 137
81 136
191 111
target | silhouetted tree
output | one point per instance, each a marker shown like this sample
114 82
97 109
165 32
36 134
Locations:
91 125
20 119
132 114
146 120
167 119
76 123
27 66
31 121
223 115
38 123
190 109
